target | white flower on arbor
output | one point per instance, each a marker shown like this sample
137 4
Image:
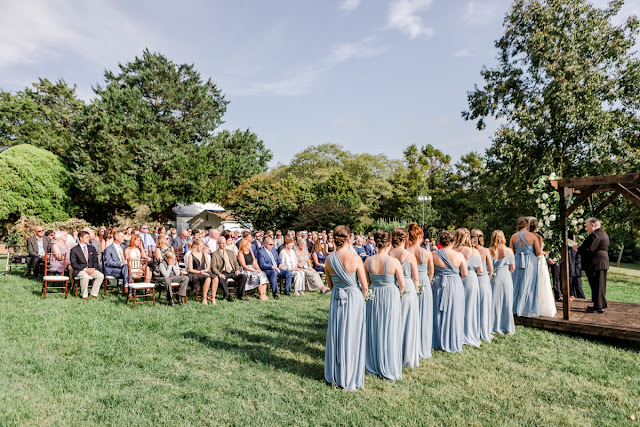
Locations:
542 206
574 222
545 196
552 218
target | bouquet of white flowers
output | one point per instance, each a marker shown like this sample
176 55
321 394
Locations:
370 296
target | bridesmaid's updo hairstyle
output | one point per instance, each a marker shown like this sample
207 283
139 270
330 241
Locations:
382 238
399 236
463 237
497 239
415 232
446 238
523 222
340 234
477 237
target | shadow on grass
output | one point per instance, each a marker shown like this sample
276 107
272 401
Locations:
259 349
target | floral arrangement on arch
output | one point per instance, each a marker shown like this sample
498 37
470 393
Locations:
548 214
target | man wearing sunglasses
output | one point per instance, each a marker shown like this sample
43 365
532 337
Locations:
271 264
37 246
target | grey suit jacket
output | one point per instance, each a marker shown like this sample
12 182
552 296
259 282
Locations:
32 245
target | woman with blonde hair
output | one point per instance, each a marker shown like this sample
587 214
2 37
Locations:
425 299
409 299
502 285
314 281
526 248
471 286
198 270
484 284
546 302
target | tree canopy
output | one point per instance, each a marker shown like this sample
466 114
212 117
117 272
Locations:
34 182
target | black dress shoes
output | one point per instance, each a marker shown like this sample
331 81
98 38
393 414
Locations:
242 298
230 298
275 296
288 294
592 309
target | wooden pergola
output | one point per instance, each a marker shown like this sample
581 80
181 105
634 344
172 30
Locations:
628 185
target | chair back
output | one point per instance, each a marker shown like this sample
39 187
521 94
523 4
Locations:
55 264
137 268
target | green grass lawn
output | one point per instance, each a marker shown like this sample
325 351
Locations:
623 283
254 363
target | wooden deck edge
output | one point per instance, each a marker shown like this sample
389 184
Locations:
579 328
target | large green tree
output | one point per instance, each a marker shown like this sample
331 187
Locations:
567 86
41 115
149 139
34 182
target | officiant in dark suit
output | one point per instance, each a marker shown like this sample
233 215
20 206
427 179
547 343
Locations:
595 263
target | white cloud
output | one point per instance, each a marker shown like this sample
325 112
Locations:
403 17
301 80
32 30
464 52
348 5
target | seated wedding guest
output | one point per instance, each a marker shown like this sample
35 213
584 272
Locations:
107 238
359 247
198 268
84 261
115 263
147 239
100 235
279 240
370 246
173 233
314 281
50 235
180 242
231 245
37 246
224 264
319 257
170 273
59 248
331 244
135 253
271 264
211 240
257 244
290 262
128 232
246 235
162 246
255 277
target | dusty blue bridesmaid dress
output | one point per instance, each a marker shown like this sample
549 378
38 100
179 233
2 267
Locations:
448 306
525 280
344 358
384 327
410 319
472 303
425 307
502 296
484 288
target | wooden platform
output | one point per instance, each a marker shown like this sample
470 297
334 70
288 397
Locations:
620 320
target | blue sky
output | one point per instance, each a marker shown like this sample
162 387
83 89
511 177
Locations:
374 76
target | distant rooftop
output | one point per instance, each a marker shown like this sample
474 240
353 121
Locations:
196 208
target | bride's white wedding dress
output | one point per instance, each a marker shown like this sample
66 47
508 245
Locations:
546 303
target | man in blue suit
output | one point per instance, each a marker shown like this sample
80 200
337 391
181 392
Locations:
114 263
271 264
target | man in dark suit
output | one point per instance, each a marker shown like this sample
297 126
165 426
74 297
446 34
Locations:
115 264
370 247
84 260
37 246
271 264
224 264
595 263
257 243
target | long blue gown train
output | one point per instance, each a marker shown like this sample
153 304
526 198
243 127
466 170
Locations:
410 319
448 306
425 307
525 280
502 296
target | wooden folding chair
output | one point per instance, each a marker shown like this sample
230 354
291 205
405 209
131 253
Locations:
55 277
148 289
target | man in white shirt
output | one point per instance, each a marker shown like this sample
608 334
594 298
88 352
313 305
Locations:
212 242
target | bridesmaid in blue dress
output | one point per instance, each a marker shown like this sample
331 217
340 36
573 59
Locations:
484 285
409 299
502 297
425 299
384 318
526 247
471 287
344 358
448 296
